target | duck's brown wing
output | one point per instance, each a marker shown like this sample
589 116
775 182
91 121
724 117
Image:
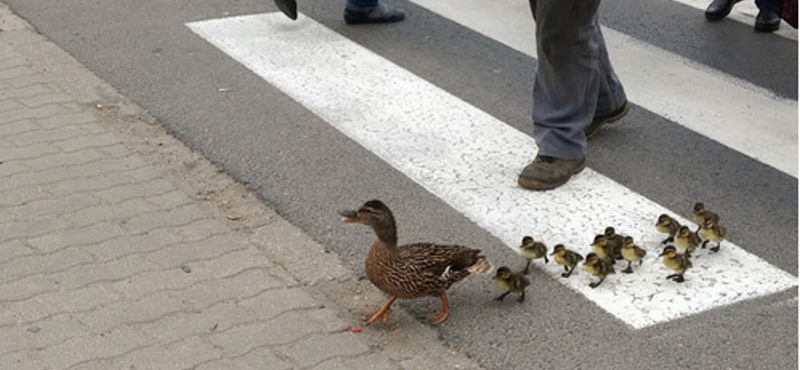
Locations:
437 258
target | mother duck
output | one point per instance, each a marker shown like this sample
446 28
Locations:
412 270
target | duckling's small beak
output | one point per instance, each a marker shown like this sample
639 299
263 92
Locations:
553 254
349 216
661 254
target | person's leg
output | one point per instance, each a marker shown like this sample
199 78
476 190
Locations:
769 15
612 104
371 11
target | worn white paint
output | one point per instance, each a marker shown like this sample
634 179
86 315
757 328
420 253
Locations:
471 160
733 112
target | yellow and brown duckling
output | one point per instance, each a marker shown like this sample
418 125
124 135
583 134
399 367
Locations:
530 250
632 253
678 262
412 270
667 225
614 242
687 239
700 214
510 282
567 258
601 247
597 266
710 230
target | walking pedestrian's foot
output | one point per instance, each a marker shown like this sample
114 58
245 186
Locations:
379 14
719 9
598 122
546 172
767 21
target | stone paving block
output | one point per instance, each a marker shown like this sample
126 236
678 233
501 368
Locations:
368 362
92 214
52 206
45 99
315 349
16 71
328 320
272 303
53 240
91 347
170 199
182 215
37 264
102 140
44 227
126 244
26 288
29 152
32 113
249 283
106 165
283 329
64 159
36 135
12 249
238 260
198 251
109 271
185 354
79 185
142 189
148 282
150 308
17 127
36 178
21 360
8 104
215 318
257 359
64 301
39 335
201 229
68 118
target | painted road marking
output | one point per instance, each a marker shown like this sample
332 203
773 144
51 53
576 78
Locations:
746 118
470 160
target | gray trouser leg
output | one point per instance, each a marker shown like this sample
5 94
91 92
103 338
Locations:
574 78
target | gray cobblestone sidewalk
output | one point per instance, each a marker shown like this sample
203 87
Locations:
122 249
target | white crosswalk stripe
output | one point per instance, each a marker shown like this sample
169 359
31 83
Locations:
470 160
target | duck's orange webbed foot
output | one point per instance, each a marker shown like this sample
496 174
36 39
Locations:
440 316
383 313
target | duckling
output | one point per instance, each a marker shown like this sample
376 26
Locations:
615 242
687 240
510 282
632 253
601 247
667 225
714 232
412 270
531 249
566 258
700 214
676 261
597 266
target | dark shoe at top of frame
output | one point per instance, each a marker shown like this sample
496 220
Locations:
719 9
598 122
380 14
767 21
546 172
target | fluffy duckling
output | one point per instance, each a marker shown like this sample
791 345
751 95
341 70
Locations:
632 253
615 242
710 230
601 247
597 266
531 249
676 262
667 225
566 258
413 270
700 214
687 240
510 282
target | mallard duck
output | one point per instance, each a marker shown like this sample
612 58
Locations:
566 258
601 247
714 232
412 270
676 262
632 253
614 242
667 225
700 214
530 250
510 282
597 266
687 240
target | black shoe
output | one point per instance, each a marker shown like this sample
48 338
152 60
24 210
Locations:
767 21
381 14
719 9
598 122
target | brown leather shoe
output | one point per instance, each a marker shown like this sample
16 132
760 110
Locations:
598 122
546 172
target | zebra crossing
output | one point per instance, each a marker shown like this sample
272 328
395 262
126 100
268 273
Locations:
470 159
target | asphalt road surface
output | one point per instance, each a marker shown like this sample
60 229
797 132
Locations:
714 119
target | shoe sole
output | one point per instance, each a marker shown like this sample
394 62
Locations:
538 185
606 120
